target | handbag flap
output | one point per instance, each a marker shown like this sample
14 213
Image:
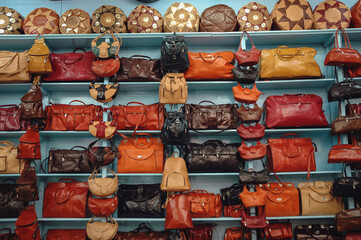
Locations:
101 228
27 217
39 48
63 195
104 183
33 95
137 155
278 198
139 67
172 83
135 115
321 198
9 62
30 136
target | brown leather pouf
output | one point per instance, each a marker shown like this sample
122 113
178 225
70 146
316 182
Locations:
75 21
254 17
218 18
144 19
109 18
331 14
41 21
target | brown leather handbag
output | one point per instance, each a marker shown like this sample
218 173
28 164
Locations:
29 146
204 204
249 153
38 57
175 175
222 116
178 212
101 156
218 18
201 231
281 231
9 164
102 230
248 115
251 133
66 234
105 67
348 220
346 124
210 66
68 117
173 89
246 95
13 67
102 187
31 106
102 207
345 153
26 189
317 232
247 58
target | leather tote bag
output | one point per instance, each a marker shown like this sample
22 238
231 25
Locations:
144 232
38 57
204 204
289 63
10 118
210 66
345 153
31 106
248 114
251 133
9 206
317 199
295 110
316 231
102 207
246 95
175 175
144 201
101 156
221 116
65 199
230 201
174 53
26 226
140 155
282 231
249 153
102 187
245 75
9 163
29 146
66 234
247 58
348 220
175 129
102 230
178 212
212 156
173 89
13 67
71 67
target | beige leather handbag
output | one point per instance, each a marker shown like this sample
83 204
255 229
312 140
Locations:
317 199
102 187
9 164
13 67
173 89
175 175
101 230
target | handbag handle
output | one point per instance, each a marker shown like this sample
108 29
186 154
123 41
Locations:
140 56
79 147
7 144
67 180
76 49
345 39
294 95
206 101
77 101
6 229
286 57
289 134
240 41
142 226
95 173
39 35
218 142
60 200
213 59
114 39
135 103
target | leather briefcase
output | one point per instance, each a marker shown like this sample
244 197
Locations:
317 232
29 146
10 118
281 231
295 110
175 175
204 204
178 212
13 67
10 207
143 232
102 207
9 164
140 155
348 220
218 18
66 234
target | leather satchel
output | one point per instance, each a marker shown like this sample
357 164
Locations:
347 186
175 128
31 106
204 204
10 118
29 146
101 156
281 231
295 110
173 89
102 207
345 153
68 117
248 115
65 199
237 233
212 156
245 75
178 212
26 226
38 57
102 230
251 176
104 129
218 18
201 231
105 67
139 68
102 187
174 53
346 124
251 133
210 66
348 220
143 232
222 116
106 49
9 206
249 153
317 232
7 235
140 155
103 92
175 175
247 58
289 63
13 67
66 234
246 95
230 201
9 164
347 89
144 201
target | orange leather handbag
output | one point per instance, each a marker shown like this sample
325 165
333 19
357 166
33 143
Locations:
249 153
178 212
253 199
105 67
282 231
210 66
246 95
282 199
204 204
140 155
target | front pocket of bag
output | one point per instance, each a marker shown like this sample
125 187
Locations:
137 161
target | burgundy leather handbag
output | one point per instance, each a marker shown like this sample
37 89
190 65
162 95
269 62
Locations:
10 118
295 110
201 231
102 207
66 234
249 153
249 58
251 133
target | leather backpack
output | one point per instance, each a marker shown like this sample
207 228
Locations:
173 89
29 146
175 129
175 175
27 225
38 57
31 106
174 53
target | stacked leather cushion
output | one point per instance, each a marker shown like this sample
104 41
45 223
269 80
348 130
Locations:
108 17
10 21
75 21
41 21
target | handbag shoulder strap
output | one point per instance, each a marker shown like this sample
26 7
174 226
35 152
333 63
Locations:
345 38
240 41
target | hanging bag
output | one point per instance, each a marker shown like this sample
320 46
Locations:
102 187
347 186
249 153
251 133
174 53
246 95
247 58
31 106
26 226
251 176
29 146
248 114
104 129
173 89
102 207
102 230
345 153
175 128
106 49
10 118
101 156
175 175
245 75
38 57
178 212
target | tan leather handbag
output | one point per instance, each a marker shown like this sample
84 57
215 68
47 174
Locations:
38 57
289 63
101 230
175 175
173 89
9 164
13 67
317 199
102 187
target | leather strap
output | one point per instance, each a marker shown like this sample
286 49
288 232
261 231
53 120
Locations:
240 41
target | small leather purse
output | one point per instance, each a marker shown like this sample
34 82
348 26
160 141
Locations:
102 230
101 156
235 233
251 176
38 57
102 207
173 89
249 58
175 175
204 204
246 95
102 187
249 153
104 129
253 199
248 115
105 67
245 75
251 133
103 92
106 49
349 220
347 186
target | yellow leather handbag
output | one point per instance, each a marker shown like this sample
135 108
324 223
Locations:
102 187
289 63
38 57
9 164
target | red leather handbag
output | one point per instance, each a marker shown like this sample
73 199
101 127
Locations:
102 207
281 231
144 117
105 67
67 117
249 153
27 225
251 133
178 212
257 221
201 231
295 110
65 199
71 67
253 199
204 204
29 146
246 95
249 58
66 234
237 233
233 211
10 118
345 153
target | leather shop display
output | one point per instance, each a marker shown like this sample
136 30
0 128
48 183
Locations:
101 156
12 21
75 21
181 17
109 18
13 67
173 89
145 19
174 53
38 57
254 17
331 14
101 230
103 93
175 128
204 204
41 21
9 163
316 231
175 175
178 212
102 187
218 18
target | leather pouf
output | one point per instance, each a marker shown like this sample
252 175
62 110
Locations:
75 21
331 14
254 17
144 19
108 17
10 21
218 18
181 17
356 15
292 15
41 21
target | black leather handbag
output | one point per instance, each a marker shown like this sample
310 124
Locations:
245 75
316 232
9 207
143 201
174 53
251 176
347 186
348 89
175 129
229 195
212 156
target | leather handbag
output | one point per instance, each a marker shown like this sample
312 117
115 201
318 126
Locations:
331 15
13 67
251 176
139 68
175 128
69 67
65 199
289 63
175 175
104 129
291 155
105 67
282 199
101 156
140 155
348 220
210 66
106 14
181 17
41 21
31 105
230 201
295 110
174 53
204 204
178 212
106 49
347 89
26 226
26 189
29 146
237 233
247 21
355 15
249 153
7 235
317 199
13 21
221 116
68 117
353 236
102 207
347 186
249 115
212 156
102 230
75 21
345 153
142 117
245 75
247 58
218 18
10 118
251 133
9 164
345 124
317 232
173 89
38 57
145 19
253 199
9 206
201 231
143 232
282 231
102 187
66 234
246 95
346 56
143 201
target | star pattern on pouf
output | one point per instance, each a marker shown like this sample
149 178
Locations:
75 21
34 22
284 13
181 16
332 14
